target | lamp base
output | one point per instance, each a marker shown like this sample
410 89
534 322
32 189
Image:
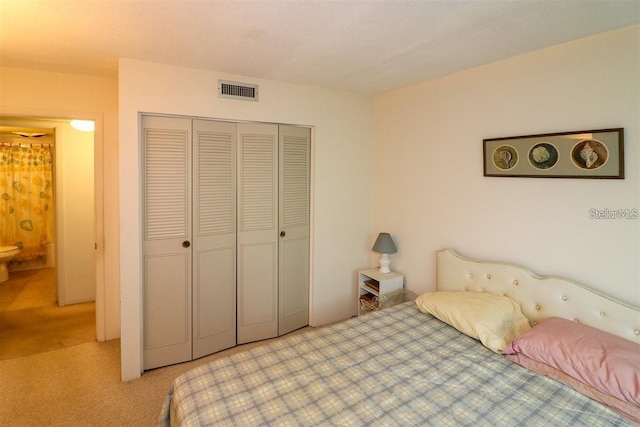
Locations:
385 263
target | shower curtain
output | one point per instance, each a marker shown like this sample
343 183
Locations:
26 202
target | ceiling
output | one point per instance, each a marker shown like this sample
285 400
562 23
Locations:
367 46
25 128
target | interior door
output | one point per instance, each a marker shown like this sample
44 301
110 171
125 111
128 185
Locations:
294 183
214 237
75 207
166 155
257 232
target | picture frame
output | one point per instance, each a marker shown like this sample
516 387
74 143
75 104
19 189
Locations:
579 154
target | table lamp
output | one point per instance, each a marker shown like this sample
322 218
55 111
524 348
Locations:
384 244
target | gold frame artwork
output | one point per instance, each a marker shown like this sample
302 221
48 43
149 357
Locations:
579 154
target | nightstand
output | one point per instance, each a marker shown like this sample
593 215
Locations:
378 290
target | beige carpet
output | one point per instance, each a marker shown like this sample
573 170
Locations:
30 320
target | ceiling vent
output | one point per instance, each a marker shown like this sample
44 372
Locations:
235 90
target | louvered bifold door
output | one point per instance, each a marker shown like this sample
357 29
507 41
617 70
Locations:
257 232
166 157
214 237
294 182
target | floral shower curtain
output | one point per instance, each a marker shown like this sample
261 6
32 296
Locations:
26 201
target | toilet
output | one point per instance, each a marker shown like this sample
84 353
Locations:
6 254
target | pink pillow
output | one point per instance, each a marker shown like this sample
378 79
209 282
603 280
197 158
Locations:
604 361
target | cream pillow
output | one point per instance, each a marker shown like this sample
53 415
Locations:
493 319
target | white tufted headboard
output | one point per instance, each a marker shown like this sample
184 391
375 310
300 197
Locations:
539 297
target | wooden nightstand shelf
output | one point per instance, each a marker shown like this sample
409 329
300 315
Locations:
378 290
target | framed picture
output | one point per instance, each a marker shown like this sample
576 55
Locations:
580 154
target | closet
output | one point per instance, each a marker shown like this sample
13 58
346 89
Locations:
226 234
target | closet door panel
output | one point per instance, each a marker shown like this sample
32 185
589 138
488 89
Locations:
257 232
167 337
214 327
258 273
167 224
214 235
294 219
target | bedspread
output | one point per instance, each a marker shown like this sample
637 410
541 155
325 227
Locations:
394 367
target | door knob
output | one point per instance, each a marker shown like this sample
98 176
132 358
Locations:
282 233
186 244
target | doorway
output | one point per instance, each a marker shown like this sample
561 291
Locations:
67 267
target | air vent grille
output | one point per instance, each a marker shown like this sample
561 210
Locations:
236 90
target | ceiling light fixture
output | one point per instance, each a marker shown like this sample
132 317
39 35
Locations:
83 125
30 135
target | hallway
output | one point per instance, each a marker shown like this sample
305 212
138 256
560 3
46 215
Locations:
31 322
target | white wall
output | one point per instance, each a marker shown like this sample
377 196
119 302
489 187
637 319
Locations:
38 94
342 189
430 192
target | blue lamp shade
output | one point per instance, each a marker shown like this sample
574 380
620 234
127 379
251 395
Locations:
384 244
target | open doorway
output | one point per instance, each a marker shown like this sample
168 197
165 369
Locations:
49 297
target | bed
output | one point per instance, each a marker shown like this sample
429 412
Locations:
404 366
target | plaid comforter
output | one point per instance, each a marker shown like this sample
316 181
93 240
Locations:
395 367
